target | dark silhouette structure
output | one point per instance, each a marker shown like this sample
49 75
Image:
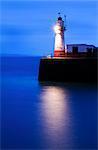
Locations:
76 67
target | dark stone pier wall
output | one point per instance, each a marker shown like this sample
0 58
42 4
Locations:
68 70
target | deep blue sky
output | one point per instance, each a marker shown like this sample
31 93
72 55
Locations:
27 25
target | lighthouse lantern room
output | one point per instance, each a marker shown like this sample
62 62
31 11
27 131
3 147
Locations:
59 45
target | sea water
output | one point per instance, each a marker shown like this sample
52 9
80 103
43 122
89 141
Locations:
45 115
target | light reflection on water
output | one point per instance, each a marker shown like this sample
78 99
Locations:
45 116
56 114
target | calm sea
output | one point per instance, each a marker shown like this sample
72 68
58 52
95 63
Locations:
44 116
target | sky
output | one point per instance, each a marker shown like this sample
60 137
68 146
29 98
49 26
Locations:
27 25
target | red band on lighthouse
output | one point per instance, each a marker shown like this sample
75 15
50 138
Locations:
59 53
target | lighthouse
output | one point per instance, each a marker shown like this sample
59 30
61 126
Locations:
59 45
68 67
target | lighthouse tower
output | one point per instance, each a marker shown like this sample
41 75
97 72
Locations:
59 46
